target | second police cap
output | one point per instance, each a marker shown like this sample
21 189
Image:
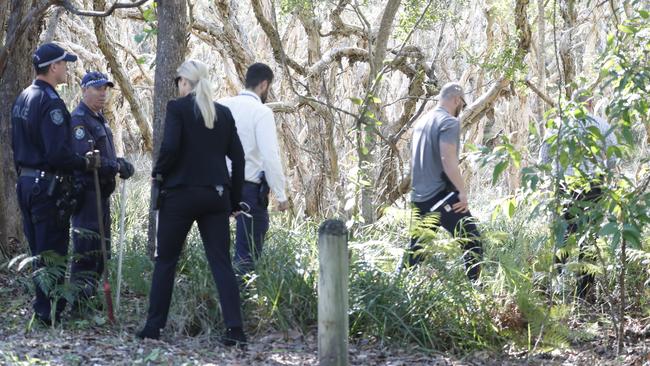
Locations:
95 79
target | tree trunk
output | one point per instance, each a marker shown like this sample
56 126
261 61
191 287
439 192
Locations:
52 25
368 140
541 61
17 76
569 15
170 53
106 46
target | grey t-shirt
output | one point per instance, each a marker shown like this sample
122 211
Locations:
426 166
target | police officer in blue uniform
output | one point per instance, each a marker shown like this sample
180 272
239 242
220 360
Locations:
89 128
44 160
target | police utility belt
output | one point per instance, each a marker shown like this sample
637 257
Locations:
38 174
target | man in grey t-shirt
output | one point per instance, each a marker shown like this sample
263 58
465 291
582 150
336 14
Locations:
437 183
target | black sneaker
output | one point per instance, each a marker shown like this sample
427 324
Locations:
234 337
78 310
147 332
46 320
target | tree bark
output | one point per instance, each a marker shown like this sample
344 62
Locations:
569 15
274 38
52 25
20 24
234 38
170 52
16 76
4 17
121 77
541 60
368 140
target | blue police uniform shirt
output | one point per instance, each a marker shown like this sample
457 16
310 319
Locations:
41 131
87 127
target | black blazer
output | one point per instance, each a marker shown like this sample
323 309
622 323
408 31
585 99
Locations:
194 155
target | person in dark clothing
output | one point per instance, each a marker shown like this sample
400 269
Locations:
580 197
437 183
90 130
196 186
44 161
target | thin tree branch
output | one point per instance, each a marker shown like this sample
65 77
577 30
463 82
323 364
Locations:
340 28
106 46
539 93
276 42
336 54
92 13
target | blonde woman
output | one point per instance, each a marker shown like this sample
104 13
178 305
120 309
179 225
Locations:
196 186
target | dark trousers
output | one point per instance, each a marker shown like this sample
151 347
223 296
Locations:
180 208
460 225
46 233
250 230
581 201
88 264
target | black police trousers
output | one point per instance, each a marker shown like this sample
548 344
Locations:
180 207
88 264
460 225
48 236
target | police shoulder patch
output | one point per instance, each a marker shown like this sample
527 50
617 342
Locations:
79 132
57 116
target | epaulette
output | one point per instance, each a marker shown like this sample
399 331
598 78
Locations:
51 93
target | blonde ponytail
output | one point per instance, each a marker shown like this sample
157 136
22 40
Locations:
196 72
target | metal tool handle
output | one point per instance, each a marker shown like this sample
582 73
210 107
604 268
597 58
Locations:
121 243
102 239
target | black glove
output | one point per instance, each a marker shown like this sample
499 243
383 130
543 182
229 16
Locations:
93 160
126 168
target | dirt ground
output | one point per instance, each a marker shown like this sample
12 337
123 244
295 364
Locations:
91 342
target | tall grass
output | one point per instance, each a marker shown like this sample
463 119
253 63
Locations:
431 307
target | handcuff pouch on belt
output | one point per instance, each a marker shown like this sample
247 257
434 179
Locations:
68 193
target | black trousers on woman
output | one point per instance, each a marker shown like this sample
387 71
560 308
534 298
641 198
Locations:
210 208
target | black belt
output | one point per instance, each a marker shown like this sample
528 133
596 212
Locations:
253 183
36 173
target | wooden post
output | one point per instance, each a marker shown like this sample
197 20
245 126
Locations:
333 293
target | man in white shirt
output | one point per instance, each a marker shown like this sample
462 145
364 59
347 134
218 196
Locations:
263 172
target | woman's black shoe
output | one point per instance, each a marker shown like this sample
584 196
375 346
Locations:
234 337
147 332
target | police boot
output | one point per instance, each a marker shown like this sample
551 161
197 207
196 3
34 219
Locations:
234 337
148 332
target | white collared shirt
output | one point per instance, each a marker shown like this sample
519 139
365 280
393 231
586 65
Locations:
256 129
